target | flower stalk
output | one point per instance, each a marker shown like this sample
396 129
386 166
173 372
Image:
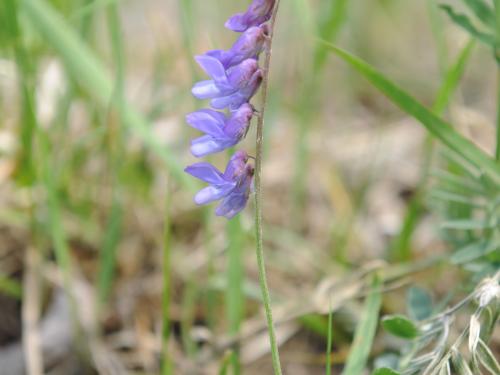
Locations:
258 198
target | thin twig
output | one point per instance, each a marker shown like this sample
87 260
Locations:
258 199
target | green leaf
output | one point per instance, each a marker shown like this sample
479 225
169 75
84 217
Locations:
10 287
438 127
464 184
419 303
452 79
473 251
365 332
447 196
459 363
400 326
107 255
466 224
464 22
385 371
89 71
331 20
482 11
487 358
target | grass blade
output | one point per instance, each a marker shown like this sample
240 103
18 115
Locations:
88 70
452 78
463 21
438 127
107 258
329 341
365 332
235 302
10 287
166 360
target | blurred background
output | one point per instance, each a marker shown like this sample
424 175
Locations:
104 257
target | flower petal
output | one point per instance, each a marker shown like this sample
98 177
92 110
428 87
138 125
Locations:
206 172
231 205
238 22
208 121
212 193
213 67
207 145
205 90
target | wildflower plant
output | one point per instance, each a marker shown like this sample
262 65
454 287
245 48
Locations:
235 77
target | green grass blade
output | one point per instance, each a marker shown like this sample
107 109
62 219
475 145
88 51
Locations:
452 79
464 22
438 127
365 332
329 341
400 248
332 16
88 70
483 11
10 287
107 258
235 301
166 360
25 173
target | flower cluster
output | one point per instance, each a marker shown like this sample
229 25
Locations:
235 77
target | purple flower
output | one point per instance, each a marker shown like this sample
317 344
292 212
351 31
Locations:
233 186
221 132
257 13
228 89
248 45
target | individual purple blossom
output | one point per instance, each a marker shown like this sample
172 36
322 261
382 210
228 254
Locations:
257 13
222 131
248 45
232 187
230 88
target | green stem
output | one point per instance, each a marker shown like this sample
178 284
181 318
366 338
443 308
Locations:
497 56
234 291
258 203
497 152
166 360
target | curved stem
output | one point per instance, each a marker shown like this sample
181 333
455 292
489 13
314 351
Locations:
258 201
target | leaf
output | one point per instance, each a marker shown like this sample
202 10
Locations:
447 196
87 69
460 183
463 21
459 363
466 224
445 369
473 251
331 20
438 127
385 371
365 332
452 79
487 358
419 303
10 287
482 11
400 326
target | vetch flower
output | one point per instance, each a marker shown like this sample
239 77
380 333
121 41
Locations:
257 13
248 45
228 89
233 186
221 131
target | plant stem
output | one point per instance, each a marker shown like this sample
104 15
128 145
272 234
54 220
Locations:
497 151
166 360
496 3
258 202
